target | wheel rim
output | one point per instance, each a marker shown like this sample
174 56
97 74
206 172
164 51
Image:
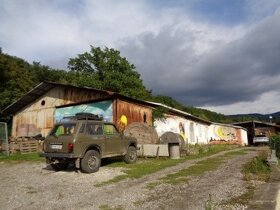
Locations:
132 155
92 161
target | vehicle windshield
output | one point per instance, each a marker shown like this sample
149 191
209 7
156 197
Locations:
64 129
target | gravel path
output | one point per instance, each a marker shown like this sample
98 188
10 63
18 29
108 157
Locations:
33 186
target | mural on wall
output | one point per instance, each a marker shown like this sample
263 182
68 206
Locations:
122 123
182 131
224 133
172 124
102 108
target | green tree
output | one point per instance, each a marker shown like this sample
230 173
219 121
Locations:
108 70
16 79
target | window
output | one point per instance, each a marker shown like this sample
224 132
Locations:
110 129
64 129
94 129
82 129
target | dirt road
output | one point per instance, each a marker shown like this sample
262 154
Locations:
33 186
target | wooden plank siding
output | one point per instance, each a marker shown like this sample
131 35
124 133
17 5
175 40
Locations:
133 112
41 112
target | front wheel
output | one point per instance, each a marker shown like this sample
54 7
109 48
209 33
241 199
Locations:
91 162
131 155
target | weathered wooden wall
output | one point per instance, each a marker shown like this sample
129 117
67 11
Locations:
40 113
133 112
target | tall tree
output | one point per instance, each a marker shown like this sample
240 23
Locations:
108 70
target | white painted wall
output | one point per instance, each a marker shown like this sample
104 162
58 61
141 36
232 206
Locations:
222 132
244 137
193 132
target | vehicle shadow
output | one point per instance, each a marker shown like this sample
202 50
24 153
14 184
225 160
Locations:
72 168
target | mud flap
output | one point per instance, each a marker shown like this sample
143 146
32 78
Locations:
77 163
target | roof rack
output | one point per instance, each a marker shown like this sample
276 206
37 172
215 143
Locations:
85 116
88 116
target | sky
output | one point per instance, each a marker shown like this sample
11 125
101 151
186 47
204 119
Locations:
221 55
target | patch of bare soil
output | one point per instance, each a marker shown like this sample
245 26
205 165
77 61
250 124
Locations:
33 186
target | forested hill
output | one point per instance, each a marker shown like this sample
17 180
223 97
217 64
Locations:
273 117
99 68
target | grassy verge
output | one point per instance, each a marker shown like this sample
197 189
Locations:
199 168
151 165
258 168
107 207
195 170
17 158
255 170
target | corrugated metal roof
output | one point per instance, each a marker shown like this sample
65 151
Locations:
44 87
177 111
229 125
256 122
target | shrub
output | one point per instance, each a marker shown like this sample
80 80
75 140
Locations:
275 144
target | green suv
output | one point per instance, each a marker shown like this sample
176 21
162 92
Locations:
84 140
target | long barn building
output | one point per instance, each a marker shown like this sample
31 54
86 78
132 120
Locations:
48 103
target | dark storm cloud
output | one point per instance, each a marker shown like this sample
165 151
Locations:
239 71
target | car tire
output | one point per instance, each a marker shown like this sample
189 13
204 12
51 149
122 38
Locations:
91 162
131 155
59 166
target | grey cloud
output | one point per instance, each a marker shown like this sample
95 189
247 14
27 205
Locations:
239 71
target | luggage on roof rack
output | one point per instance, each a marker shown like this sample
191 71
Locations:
87 116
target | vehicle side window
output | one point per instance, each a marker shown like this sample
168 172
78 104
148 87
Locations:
94 129
110 129
82 129
64 129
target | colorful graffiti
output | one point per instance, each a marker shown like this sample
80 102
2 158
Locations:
172 124
102 108
122 123
182 131
225 133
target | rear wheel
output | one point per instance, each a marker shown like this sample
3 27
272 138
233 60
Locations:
91 162
131 155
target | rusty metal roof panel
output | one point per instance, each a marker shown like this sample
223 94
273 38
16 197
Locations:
177 111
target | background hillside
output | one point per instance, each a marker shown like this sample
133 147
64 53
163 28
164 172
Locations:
99 68
273 117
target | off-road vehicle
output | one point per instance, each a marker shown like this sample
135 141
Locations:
84 140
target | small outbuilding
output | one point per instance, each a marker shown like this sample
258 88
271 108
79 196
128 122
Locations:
39 109
255 128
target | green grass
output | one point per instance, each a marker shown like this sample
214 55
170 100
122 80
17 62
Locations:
199 168
141 168
148 166
21 157
107 207
242 199
239 152
152 185
195 170
256 169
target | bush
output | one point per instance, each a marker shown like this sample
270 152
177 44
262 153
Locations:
257 165
275 144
